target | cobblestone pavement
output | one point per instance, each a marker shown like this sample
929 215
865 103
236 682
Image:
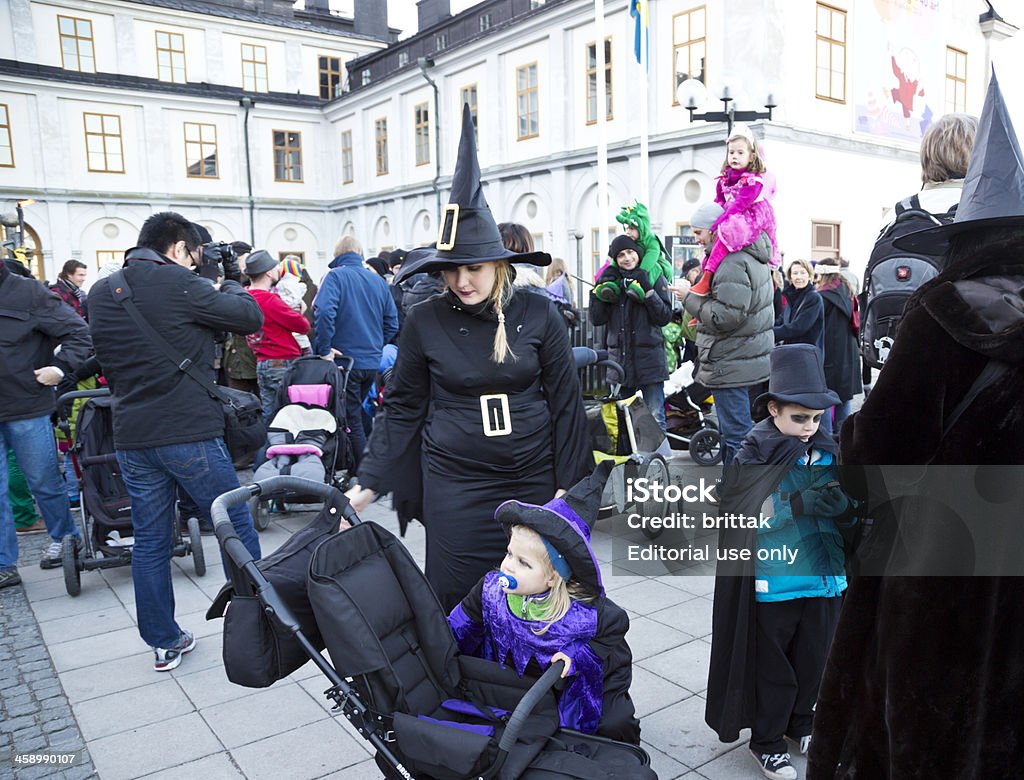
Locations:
35 715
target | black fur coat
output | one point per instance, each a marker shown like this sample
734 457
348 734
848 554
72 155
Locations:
926 674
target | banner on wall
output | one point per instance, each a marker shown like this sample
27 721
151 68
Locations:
899 82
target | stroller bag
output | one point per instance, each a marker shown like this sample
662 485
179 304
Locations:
254 654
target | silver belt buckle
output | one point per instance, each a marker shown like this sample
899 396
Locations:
494 414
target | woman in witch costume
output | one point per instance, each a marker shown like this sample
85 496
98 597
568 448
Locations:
484 400
547 604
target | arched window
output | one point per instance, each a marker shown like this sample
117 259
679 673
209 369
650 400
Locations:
33 248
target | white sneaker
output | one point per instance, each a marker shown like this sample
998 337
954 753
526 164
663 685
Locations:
775 766
801 743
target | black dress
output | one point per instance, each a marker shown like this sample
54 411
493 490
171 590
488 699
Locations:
461 433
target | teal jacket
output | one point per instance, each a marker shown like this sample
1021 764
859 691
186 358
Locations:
818 570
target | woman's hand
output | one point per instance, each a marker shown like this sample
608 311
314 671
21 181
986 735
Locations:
360 498
567 670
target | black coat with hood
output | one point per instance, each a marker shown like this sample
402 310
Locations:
33 321
633 336
925 677
803 317
154 403
842 357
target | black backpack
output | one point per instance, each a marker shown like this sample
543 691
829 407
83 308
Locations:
892 276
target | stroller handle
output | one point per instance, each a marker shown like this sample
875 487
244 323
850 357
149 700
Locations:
526 704
69 398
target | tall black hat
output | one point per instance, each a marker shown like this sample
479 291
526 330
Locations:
468 233
797 377
565 523
993 193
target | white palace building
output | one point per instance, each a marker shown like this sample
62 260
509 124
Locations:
287 125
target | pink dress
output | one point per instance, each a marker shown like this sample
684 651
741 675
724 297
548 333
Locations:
745 196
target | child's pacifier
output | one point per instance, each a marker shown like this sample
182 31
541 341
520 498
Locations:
507 581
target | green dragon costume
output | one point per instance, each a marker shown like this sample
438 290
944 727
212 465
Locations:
654 261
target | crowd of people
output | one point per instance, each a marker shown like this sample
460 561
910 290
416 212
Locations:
461 352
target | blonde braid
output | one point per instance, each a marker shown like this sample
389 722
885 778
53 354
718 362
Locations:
500 296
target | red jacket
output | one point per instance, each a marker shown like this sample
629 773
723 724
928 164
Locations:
274 341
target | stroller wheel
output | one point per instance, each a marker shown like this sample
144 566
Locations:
69 562
655 472
195 542
706 447
260 515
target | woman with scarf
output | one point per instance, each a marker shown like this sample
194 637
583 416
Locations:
803 314
484 401
842 322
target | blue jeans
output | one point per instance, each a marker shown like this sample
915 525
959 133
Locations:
732 405
269 379
841 412
152 476
36 452
654 398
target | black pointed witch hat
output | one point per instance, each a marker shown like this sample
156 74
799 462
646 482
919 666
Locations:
993 194
468 233
565 522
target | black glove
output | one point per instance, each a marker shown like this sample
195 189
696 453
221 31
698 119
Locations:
636 284
231 269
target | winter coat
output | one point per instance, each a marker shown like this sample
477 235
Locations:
32 322
803 318
842 356
633 336
154 403
734 334
925 676
354 312
74 297
419 288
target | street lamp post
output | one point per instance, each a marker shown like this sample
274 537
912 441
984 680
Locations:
729 114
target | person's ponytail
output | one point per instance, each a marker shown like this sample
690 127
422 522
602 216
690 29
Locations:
500 296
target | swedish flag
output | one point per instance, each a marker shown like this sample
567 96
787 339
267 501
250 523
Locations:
638 10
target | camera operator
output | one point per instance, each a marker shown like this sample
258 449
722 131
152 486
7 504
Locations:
168 431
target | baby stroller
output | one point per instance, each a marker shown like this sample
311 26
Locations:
624 430
106 508
395 671
691 425
306 436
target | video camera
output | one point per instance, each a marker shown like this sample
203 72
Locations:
219 259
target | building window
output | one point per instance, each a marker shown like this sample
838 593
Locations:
592 81
485 22
170 57
301 255
526 102
422 120
366 77
330 77
103 143
441 41
403 59
831 55
956 80
535 4
380 142
254 67
104 256
287 155
689 47
467 97
76 46
6 147
824 240
347 170
599 248
200 150
538 241
33 255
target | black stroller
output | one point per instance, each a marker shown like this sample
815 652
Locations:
396 673
307 430
106 508
691 425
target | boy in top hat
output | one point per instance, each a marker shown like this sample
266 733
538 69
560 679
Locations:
791 604
547 604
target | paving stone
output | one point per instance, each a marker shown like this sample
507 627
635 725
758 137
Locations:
276 757
216 767
119 757
126 710
273 711
686 665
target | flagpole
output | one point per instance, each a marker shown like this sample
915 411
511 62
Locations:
603 204
644 166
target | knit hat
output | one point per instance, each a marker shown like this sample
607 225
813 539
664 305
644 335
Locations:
705 215
620 243
259 262
468 233
797 377
564 524
293 267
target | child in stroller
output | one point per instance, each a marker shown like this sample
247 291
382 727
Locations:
547 604
306 436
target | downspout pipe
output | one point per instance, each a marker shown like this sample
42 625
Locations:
425 63
247 104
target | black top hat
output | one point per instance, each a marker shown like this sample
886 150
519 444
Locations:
565 523
797 377
468 233
993 193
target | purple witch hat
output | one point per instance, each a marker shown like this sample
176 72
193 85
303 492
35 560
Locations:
565 523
